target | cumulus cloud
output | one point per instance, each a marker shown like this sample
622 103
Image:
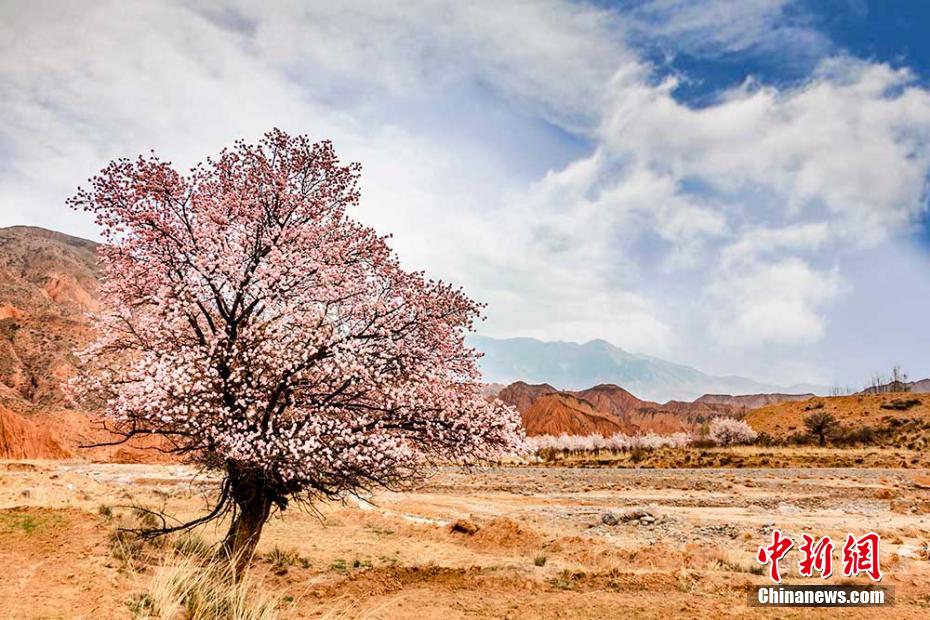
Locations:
527 150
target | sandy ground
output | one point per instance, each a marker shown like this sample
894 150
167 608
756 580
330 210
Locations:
542 550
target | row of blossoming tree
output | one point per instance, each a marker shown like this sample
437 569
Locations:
722 431
255 329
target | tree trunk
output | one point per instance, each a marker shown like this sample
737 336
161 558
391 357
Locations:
253 505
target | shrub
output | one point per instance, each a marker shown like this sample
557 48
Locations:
731 432
764 439
821 425
184 587
191 544
127 548
857 435
901 404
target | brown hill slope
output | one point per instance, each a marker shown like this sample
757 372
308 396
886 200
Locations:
522 395
48 281
625 412
20 438
557 413
897 419
751 401
611 399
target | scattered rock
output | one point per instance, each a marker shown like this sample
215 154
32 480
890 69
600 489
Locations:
635 515
921 482
718 531
464 526
609 518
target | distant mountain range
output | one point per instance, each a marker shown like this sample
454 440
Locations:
573 366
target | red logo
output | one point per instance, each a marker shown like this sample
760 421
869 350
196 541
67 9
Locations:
775 552
860 555
817 557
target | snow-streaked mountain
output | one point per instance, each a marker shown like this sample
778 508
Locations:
573 366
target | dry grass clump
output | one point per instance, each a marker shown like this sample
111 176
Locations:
186 587
282 559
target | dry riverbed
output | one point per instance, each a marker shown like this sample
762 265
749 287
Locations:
544 547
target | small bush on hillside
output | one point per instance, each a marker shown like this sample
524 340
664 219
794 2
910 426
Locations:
856 435
901 404
766 440
731 432
821 425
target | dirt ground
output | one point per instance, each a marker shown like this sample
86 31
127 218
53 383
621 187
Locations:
541 550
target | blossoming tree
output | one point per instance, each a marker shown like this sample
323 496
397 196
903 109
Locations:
256 329
730 432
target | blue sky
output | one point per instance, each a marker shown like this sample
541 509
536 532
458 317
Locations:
893 31
740 185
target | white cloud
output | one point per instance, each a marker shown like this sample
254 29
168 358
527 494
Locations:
777 301
525 150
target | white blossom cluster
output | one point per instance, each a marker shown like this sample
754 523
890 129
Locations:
730 432
613 443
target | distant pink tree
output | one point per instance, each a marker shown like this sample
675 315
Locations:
729 432
257 330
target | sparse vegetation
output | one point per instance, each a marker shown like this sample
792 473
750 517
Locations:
282 559
185 587
861 435
896 382
28 523
539 560
821 425
901 404
146 518
192 544
127 548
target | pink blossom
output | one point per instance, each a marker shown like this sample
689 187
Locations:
252 324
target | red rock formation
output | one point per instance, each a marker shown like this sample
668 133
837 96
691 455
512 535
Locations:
48 281
557 413
610 399
616 410
21 439
522 395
